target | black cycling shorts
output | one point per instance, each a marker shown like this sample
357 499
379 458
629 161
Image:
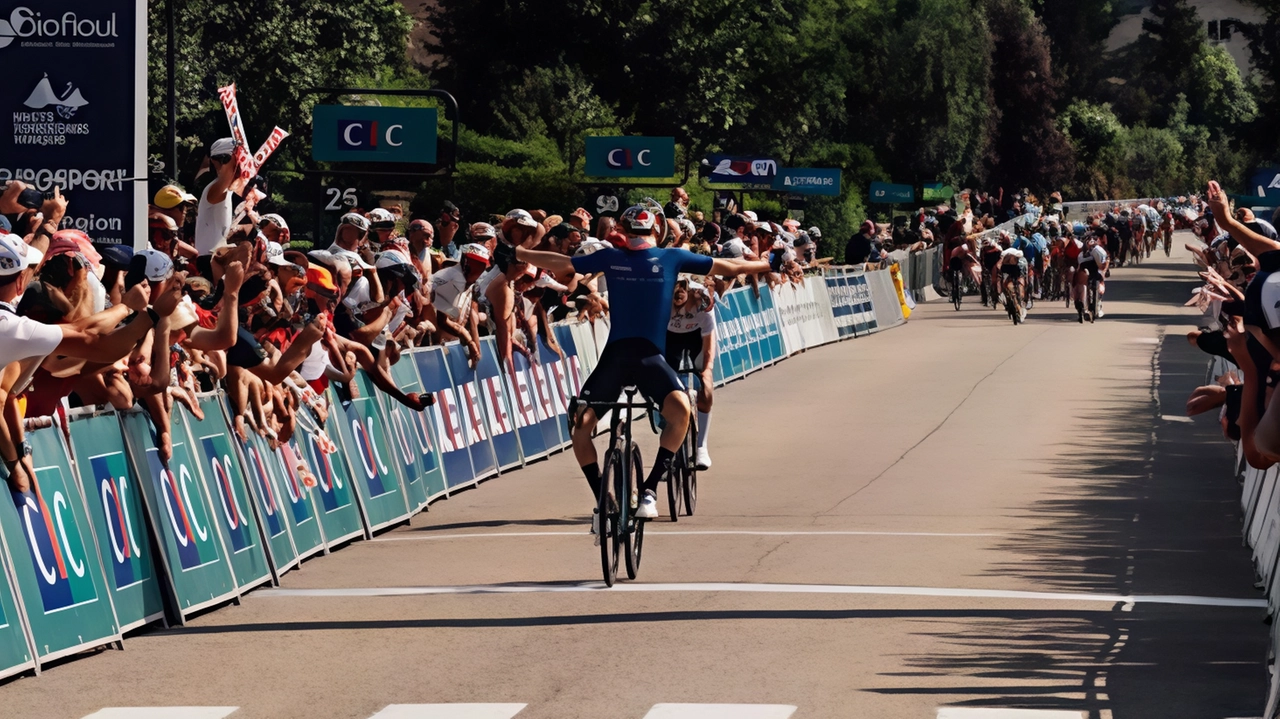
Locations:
1011 272
1092 268
681 344
990 260
956 264
631 361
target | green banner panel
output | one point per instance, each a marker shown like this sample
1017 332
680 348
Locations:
339 516
288 497
224 481
180 516
113 494
418 461
55 562
15 651
364 443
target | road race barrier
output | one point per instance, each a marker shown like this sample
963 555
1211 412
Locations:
51 551
112 537
1260 530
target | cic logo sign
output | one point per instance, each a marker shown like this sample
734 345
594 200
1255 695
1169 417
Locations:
621 156
360 133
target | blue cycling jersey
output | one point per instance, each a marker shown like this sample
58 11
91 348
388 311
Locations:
641 284
1029 249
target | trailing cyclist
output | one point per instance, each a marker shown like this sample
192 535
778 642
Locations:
691 337
641 279
990 273
1013 267
1094 262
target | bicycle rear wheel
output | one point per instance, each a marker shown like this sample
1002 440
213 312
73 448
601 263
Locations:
633 535
957 289
609 508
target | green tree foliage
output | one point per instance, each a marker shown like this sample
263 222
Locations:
1217 92
273 50
1078 31
1092 128
1027 149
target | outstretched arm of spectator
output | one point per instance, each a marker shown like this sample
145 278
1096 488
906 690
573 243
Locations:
1252 241
218 189
111 346
158 378
11 434
274 371
223 335
1258 436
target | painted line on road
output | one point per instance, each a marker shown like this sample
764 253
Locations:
449 711
995 713
720 711
761 588
162 713
691 533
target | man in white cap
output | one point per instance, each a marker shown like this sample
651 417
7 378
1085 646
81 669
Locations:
24 342
213 216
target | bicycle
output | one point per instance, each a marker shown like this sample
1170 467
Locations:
617 527
957 288
1011 302
684 466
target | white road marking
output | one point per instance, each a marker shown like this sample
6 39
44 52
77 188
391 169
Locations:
720 711
692 533
757 588
162 713
1176 418
990 713
449 711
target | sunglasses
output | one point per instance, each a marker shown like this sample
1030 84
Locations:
221 158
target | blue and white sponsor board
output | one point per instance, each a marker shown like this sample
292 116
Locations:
493 399
455 456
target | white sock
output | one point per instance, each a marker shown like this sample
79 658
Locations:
704 424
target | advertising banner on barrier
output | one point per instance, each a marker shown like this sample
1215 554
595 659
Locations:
771 342
468 414
113 496
497 416
238 484
731 347
553 385
414 439
363 434
584 340
46 531
279 502
744 299
455 458
883 296
15 650
850 302
520 386
575 370
304 522
332 497
180 516
227 490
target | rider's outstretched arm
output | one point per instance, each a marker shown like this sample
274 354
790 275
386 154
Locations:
726 267
553 261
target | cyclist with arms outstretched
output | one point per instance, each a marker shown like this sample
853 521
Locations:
642 280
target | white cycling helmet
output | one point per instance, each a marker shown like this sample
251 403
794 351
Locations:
638 220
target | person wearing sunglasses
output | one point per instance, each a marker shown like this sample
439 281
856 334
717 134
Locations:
446 228
213 216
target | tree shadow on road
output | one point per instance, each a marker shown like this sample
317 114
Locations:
1151 507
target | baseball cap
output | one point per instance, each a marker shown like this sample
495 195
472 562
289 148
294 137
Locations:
546 280
352 257
274 219
61 246
275 254
320 281
380 216
116 257
521 217
222 146
389 259
359 221
159 267
170 196
16 255
476 252
815 233
324 257
297 258
483 229
751 215
5 227
421 224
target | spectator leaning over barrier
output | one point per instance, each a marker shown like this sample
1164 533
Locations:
859 247
24 342
456 315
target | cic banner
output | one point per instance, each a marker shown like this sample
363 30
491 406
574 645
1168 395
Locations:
364 441
15 650
113 495
48 537
414 438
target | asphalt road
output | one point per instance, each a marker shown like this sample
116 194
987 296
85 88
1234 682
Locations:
985 511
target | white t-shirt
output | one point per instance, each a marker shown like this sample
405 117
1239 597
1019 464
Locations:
449 291
734 248
703 322
358 296
24 339
397 318
486 278
313 367
1097 254
213 222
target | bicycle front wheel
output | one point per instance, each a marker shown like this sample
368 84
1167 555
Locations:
609 508
633 536
689 477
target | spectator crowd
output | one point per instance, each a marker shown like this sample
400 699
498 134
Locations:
222 297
